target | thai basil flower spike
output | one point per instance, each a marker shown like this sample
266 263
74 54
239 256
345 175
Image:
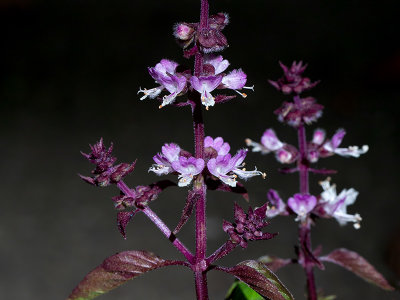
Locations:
298 113
210 167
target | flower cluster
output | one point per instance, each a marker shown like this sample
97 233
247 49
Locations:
301 110
209 39
318 147
292 81
165 73
327 205
248 227
220 163
105 171
322 147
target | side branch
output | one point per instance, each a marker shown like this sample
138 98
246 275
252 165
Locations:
160 224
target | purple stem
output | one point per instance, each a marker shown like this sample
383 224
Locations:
200 265
304 229
303 165
160 224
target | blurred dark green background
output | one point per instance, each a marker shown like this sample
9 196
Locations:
69 75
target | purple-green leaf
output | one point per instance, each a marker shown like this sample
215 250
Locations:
115 271
261 279
274 263
355 263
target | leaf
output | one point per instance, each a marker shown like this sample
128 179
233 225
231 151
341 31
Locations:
274 263
241 291
116 270
355 263
258 277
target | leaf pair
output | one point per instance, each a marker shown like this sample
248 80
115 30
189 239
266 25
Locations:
119 268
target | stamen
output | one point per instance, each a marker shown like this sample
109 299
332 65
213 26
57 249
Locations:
248 142
264 175
241 94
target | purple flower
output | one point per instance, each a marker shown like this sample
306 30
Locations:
302 110
302 204
292 81
187 169
205 85
164 160
174 159
284 153
335 206
165 74
331 147
247 227
227 168
269 142
105 171
236 80
217 62
278 207
217 144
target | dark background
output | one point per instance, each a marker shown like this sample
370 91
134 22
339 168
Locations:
69 74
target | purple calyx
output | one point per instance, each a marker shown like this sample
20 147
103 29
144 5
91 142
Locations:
207 40
292 80
247 227
105 172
